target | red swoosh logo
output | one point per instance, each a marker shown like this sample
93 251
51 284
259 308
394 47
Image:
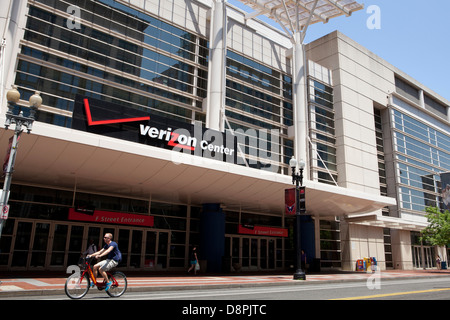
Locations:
96 123
173 144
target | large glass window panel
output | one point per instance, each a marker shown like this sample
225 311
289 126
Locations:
94 235
407 90
323 130
113 49
115 92
253 72
136 248
245 252
123 242
163 243
22 244
119 54
75 244
150 249
60 239
6 241
419 156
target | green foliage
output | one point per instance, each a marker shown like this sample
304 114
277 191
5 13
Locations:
438 231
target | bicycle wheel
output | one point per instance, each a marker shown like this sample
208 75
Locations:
119 284
77 286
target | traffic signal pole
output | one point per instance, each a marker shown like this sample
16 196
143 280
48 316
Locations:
300 193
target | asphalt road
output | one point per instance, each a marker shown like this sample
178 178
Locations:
373 289
263 302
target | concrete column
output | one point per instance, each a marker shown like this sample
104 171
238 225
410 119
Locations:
401 249
217 63
12 21
212 236
300 104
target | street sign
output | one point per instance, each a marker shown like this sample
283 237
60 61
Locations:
4 212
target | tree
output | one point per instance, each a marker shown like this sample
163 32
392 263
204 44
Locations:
438 231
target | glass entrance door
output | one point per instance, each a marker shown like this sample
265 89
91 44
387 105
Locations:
251 253
430 260
40 245
22 245
54 245
150 249
75 244
58 251
136 249
267 252
423 257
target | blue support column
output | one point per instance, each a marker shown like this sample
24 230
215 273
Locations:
308 238
212 236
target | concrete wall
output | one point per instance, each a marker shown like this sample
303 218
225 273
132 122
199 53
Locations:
12 21
358 242
360 79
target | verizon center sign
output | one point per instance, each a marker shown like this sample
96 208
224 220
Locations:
141 126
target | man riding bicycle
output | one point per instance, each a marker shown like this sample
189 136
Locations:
114 256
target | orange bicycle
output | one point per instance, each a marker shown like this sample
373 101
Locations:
78 284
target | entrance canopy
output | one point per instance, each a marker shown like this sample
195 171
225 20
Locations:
387 222
93 163
298 15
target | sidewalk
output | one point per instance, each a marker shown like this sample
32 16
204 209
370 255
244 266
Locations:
12 286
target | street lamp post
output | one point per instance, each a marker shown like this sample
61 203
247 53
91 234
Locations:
20 121
297 179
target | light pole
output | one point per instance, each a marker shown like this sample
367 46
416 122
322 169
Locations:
20 121
298 180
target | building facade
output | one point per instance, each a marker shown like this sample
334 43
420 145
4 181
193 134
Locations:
143 132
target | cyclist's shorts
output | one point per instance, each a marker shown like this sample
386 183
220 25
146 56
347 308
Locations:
108 264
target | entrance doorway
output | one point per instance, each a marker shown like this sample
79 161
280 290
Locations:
251 253
423 256
50 245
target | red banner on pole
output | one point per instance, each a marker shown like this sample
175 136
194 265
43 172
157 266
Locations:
289 200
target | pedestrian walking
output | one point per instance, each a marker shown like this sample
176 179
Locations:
193 260
438 262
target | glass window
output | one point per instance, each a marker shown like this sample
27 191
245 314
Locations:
407 90
155 63
419 157
330 243
322 131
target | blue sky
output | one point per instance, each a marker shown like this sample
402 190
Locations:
414 36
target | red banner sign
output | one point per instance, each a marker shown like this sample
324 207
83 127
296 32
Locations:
289 201
111 217
263 231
